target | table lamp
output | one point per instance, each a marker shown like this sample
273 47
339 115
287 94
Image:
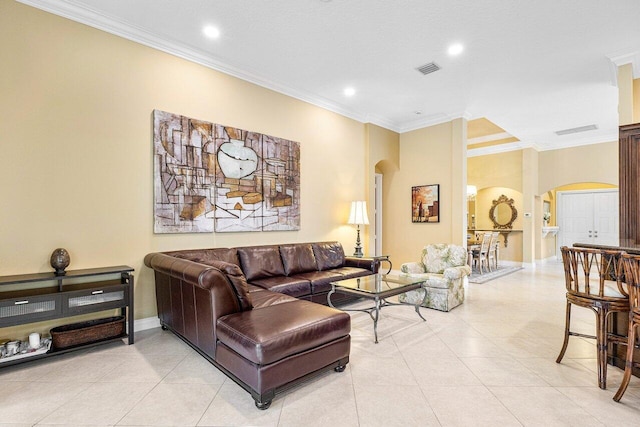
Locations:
358 216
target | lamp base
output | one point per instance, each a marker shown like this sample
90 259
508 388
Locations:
358 253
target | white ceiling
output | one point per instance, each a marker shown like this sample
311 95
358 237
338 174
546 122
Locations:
530 67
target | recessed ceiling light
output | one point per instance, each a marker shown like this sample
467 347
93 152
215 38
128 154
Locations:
349 91
455 49
211 32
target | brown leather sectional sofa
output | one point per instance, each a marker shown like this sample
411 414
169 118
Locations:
253 312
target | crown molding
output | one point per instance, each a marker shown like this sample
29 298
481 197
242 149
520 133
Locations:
432 120
382 122
125 30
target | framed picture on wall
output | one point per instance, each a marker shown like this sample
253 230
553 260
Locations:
425 203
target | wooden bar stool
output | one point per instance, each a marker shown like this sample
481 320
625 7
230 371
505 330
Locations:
632 277
594 279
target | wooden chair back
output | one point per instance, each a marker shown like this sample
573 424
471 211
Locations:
631 265
486 243
594 273
495 238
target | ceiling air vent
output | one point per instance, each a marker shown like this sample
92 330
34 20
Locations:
428 68
576 130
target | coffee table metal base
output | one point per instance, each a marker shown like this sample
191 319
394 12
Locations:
379 303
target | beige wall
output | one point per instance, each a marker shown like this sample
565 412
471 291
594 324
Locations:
584 186
76 120
588 163
496 170
427 156
626 89
636 100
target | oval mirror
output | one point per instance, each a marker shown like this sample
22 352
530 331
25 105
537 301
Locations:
503 213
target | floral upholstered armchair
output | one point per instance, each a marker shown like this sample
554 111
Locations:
444 268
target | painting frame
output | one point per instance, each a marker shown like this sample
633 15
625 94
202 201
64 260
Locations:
425 203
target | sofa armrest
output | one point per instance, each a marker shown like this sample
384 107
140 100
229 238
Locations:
203 275
413 268
453 273
183 269
367 263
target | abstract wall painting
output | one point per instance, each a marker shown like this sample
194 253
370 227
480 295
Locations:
209 177
425 203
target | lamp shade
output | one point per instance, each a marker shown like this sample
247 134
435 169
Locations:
471 190
358 213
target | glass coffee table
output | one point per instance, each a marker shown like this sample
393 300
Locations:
377 287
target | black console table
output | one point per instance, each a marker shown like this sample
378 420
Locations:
29 298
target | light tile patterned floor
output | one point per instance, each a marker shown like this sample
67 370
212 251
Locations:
489 362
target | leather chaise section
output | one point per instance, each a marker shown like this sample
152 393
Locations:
272 333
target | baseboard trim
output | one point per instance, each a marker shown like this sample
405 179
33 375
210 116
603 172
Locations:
146 323
511 263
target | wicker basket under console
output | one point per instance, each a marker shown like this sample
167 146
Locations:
86 332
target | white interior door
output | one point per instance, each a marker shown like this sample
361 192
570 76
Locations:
575 218
588 217
605 218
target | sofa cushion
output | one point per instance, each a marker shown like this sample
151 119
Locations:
298 258
272 333
260 261
328 255
293 286
205 256
264 298
320 280
351 272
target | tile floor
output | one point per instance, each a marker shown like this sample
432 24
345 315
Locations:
489 362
